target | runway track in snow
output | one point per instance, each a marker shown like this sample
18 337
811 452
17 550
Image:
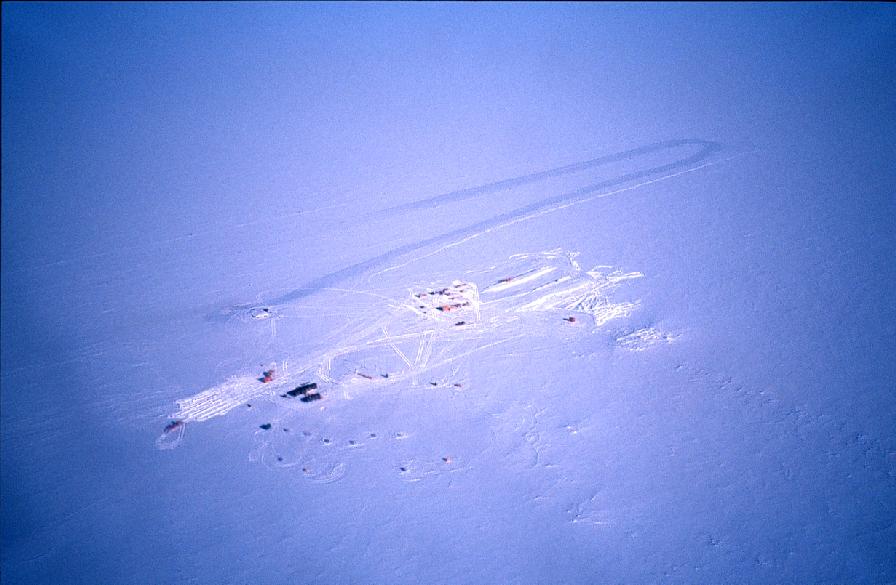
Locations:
706 154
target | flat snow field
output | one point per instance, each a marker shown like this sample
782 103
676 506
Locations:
448 294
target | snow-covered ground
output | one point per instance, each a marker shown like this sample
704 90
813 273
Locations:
589 293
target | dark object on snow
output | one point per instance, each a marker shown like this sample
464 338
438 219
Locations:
459 323
265 426
570 319
311 397
267 376
173 425
303 389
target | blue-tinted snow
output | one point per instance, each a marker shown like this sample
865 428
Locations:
170 169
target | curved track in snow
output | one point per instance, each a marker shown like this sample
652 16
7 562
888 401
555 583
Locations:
706 154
